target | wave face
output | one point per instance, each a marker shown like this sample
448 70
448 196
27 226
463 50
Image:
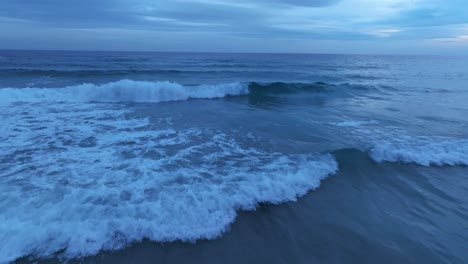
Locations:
122 91
423 151
315 87
83 178
287 88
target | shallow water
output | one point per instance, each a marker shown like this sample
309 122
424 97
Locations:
233 158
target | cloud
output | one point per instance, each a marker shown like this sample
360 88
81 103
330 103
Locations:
456 39
68 13
434 13
385 32
220 23
305 3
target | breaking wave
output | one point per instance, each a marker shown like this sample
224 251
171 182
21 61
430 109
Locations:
122 91
423 151
164 91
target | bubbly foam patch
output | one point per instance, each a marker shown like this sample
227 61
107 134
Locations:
122 91
353 123
424 151
89 177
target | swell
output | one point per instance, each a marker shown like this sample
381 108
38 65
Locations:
315 87
79 73
164 91
73 72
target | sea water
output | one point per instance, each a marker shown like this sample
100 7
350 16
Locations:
105 152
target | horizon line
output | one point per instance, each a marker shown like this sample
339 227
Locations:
233 52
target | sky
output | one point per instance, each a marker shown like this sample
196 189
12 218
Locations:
301 26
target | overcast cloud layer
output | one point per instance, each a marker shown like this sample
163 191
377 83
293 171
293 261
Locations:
332 26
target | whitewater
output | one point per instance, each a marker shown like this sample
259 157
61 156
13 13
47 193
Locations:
96 163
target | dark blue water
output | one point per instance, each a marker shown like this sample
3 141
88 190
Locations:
237 158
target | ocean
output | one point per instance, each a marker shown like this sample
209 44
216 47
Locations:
133 157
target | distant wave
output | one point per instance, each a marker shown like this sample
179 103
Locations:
164 91
423 151
85 72
122 91
99 72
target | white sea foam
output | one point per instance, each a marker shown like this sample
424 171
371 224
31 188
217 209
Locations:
348 123
122 91
88 177
352 123
424 151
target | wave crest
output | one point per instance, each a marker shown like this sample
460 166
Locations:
122 91
423 151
